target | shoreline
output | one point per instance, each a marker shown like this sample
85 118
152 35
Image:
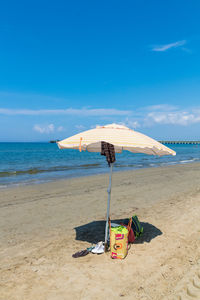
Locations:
42 225
44 181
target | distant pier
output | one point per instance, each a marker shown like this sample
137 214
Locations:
181 142
162 142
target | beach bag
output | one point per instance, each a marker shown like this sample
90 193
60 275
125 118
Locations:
137 227
131 235
118 242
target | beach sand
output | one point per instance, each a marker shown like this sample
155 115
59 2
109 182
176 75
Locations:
42 225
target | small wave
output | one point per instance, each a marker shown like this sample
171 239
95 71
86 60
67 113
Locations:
186 161
34 171
89 165
3 186
169 163
117 165
20 172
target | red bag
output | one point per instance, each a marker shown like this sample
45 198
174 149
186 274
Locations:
131 235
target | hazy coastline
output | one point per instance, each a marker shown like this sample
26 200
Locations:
33 163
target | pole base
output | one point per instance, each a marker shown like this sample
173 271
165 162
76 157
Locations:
106 247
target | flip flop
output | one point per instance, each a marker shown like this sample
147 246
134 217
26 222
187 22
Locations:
80 253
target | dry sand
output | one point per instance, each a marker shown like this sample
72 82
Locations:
42 225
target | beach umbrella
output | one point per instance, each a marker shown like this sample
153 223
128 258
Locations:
122 138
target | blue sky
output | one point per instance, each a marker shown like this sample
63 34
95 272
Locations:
67 66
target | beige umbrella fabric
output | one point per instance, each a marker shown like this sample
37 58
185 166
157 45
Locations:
123 138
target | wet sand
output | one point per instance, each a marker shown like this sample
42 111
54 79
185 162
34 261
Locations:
42 225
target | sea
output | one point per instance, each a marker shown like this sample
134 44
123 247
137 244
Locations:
32 163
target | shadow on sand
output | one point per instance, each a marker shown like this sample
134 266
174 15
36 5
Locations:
93 232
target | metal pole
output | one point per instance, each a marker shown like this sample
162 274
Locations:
108 206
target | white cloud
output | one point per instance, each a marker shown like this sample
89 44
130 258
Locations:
182 118
80 127
142 117
160 107
134 124
166 47
60 128
68 111
44 129
49 128
162 115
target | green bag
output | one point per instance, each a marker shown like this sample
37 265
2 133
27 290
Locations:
136 226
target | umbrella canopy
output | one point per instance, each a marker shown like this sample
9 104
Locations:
122 137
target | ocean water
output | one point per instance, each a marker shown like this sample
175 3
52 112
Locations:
29 163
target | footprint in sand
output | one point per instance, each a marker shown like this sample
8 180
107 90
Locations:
192 289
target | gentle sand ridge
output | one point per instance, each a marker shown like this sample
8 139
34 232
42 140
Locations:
41 226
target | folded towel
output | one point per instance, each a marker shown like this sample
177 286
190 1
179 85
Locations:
108 150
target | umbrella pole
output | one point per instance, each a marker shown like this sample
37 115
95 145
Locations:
108 206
